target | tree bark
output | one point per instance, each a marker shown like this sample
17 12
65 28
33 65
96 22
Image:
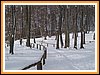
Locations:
57 46
84 37
94 36
82 29
60 26
22 26
13 30
66 27
28 24
75 34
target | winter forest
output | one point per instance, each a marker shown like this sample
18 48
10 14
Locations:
49 37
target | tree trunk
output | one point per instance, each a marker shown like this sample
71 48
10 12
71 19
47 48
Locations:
20 41
57 46
11 44
65 39
28 24
66 27
68 39
75 34
82 29
60 26
75 41
61 40
13 30
59 32
87 20
34 35
81 40
34 40
22 26
94 36
84 37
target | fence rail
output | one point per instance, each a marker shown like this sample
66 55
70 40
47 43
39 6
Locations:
41 62
47 44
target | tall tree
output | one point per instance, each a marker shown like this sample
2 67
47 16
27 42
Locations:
45 22
81 46
66 10
28 24
75 29
60 24
13 30
88 19
84 23
49 20
57 37
59 32
21 25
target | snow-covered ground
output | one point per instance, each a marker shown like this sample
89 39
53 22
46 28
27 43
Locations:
71 59
57 59
22 57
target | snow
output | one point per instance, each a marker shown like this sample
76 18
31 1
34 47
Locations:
22 57
65 59
57 59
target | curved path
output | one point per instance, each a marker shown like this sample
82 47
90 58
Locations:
71 59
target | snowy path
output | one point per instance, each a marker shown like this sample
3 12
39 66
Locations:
71 59
56 60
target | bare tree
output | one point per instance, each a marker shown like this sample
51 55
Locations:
59 32
13 30
57 46
81 46
60 25
66 10
48 20
28 24
75 29
21 25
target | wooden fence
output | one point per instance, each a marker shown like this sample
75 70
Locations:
47 44
41 62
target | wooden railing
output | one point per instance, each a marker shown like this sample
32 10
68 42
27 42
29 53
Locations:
41 62
47 44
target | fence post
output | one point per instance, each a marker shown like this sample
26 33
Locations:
39 66
37 46
33 45
45 54
43 60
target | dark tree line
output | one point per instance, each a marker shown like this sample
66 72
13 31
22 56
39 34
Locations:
32 21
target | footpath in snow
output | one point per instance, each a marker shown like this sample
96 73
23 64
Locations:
70 58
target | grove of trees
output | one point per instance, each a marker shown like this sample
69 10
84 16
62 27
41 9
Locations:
33 21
